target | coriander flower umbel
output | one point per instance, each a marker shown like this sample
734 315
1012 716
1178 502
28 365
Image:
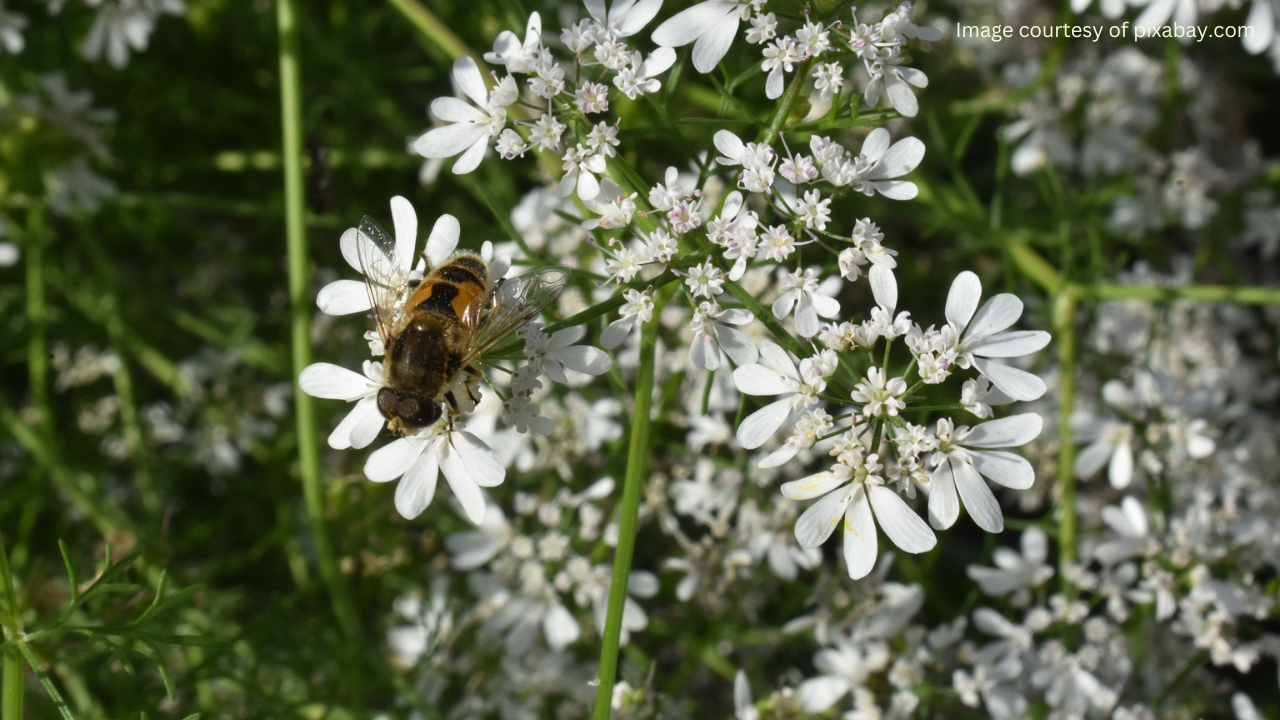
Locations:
470 128
417 461
958 465
856 494
984 338
637 78
776 374
712 24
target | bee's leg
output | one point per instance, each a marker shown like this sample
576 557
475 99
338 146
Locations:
453 401
473 377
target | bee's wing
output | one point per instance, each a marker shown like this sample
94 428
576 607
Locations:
384 278
511 304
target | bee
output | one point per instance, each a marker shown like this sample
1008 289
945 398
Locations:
437 330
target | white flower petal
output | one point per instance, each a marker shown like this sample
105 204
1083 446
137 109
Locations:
875 145
467 77
585 359
343 297
729 145
903 526
962 300
418 486
737 345
1035 545
468 456
817 484
901 159
825 305
998 313
1017 384
470 159
332 382
1004 468
901 98
588 186
897 189
616 333
1092 458
944 503
448 140
686 26
755 379
348 243
453 110
978 498
1009 431
1120 470
1010 344
637 16
884 286
359 427
392 460
818 694
860 542
443 240
817 523
560 627
760 425
406 225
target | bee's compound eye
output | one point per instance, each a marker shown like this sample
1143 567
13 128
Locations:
417 412
388 403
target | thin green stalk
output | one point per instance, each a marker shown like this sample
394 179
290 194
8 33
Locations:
37 316
11 705
637 466
1064 328
295 218
11 688
435 31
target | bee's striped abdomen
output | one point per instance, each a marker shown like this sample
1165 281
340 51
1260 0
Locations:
450 288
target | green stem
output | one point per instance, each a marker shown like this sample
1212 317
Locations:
308 450
637 465
435 31
11 705
788 99
11 688
37 316
1064 327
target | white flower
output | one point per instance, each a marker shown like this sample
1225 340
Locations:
417 460
705 280
977 396
1015 571
581 165
712 24
11 26
553 354
880 394
814 210
756 160
895 82
780 56
343 297
361 425
957 465
470 127
828 78
878 163
813 39
984 337
764 27
801 290
546 133
592 98
637 78
776 374
853 494
637 310
1109 444
665 195
1129 521
516 56
845 668
711 326
615 208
